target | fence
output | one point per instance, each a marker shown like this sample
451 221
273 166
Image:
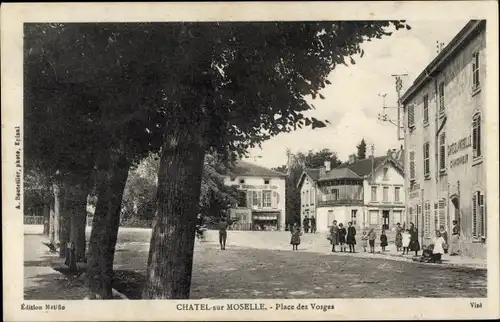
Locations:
130 223
33 220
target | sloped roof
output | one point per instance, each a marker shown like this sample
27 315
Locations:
363 167
243 168
312 173
340 173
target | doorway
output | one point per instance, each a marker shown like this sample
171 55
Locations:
385 219
456 209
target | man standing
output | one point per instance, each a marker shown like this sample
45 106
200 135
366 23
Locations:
313 224
223 224
334 235
305 224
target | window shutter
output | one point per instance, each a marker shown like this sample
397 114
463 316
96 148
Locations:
426 108
482 219
478 135
474 66
442 152
427 219
474 215
442 213
411 115
441 97
474 137
412 165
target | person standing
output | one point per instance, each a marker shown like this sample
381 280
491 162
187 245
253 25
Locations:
223 224
295 240
414 244
364 241
313 224
399 237
438 250
334 235
406 236
351 237
455 236
342 235
383 240
305 224
371 240
444 235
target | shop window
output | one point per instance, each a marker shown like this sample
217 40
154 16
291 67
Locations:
476 136
478 216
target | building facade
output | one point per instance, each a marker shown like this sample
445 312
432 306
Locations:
444 137
308 184
261 204
369 193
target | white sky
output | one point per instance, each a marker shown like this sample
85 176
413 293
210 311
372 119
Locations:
352 102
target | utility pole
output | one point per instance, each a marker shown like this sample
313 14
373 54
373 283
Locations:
439 46
383 116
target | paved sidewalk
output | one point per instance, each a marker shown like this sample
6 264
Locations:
317 243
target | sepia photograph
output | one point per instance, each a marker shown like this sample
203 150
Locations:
240 166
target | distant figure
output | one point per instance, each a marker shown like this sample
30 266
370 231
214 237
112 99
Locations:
334 235
351 237
455 236
305 224
295 240
364 241
444 234
414 244
223 224
406 241
371 240
342 235
399 237
437 250
313 224
383 240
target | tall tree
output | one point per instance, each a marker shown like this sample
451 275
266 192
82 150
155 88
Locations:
316 159
361 150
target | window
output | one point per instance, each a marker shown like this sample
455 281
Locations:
266 181
374 193
242 199
427 219
478 216
313 194
354 218
386 194
442 152
254 199
335 193
476 136
412 165
441 98
411 215
426 109
242 181
475 70
386 172
266 198
373 217
442 213
411 116
427 161
397 191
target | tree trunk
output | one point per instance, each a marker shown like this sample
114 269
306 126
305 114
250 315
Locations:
65 223
170 260
46 219
57 213
112 176
77 208
52 222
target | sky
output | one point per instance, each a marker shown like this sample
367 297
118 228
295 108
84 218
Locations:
352 101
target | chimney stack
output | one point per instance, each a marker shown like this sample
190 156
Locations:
328 166
352 158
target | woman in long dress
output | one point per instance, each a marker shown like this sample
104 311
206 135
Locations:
399 237
351 237
414 244
455 236
334 235
295 240
444 235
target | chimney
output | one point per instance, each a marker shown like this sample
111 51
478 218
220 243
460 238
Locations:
328 166
322 171
352 158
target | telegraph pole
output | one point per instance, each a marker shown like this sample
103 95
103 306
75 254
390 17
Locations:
383 116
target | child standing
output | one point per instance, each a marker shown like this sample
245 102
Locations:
371 240
342 235
364 241
383 240
295 240
438 250
405 241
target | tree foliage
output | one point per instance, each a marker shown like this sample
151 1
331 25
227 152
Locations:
361 150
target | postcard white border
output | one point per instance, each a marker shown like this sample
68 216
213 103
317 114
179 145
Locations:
14 15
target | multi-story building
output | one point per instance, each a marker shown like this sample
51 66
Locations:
444 137
368 192
308 184
261 204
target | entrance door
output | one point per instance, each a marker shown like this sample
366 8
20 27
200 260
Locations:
385 218
456 209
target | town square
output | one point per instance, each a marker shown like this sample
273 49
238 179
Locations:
255 160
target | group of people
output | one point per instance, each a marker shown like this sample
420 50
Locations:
309 224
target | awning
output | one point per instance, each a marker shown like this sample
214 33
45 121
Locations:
265 217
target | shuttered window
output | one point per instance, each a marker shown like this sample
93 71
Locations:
427 161
478 216
476 136
442 213
412 165
442 152
427 219
411 116
410 213
441 98
475 70
426 109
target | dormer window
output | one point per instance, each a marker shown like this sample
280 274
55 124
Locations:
266 181
242 181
